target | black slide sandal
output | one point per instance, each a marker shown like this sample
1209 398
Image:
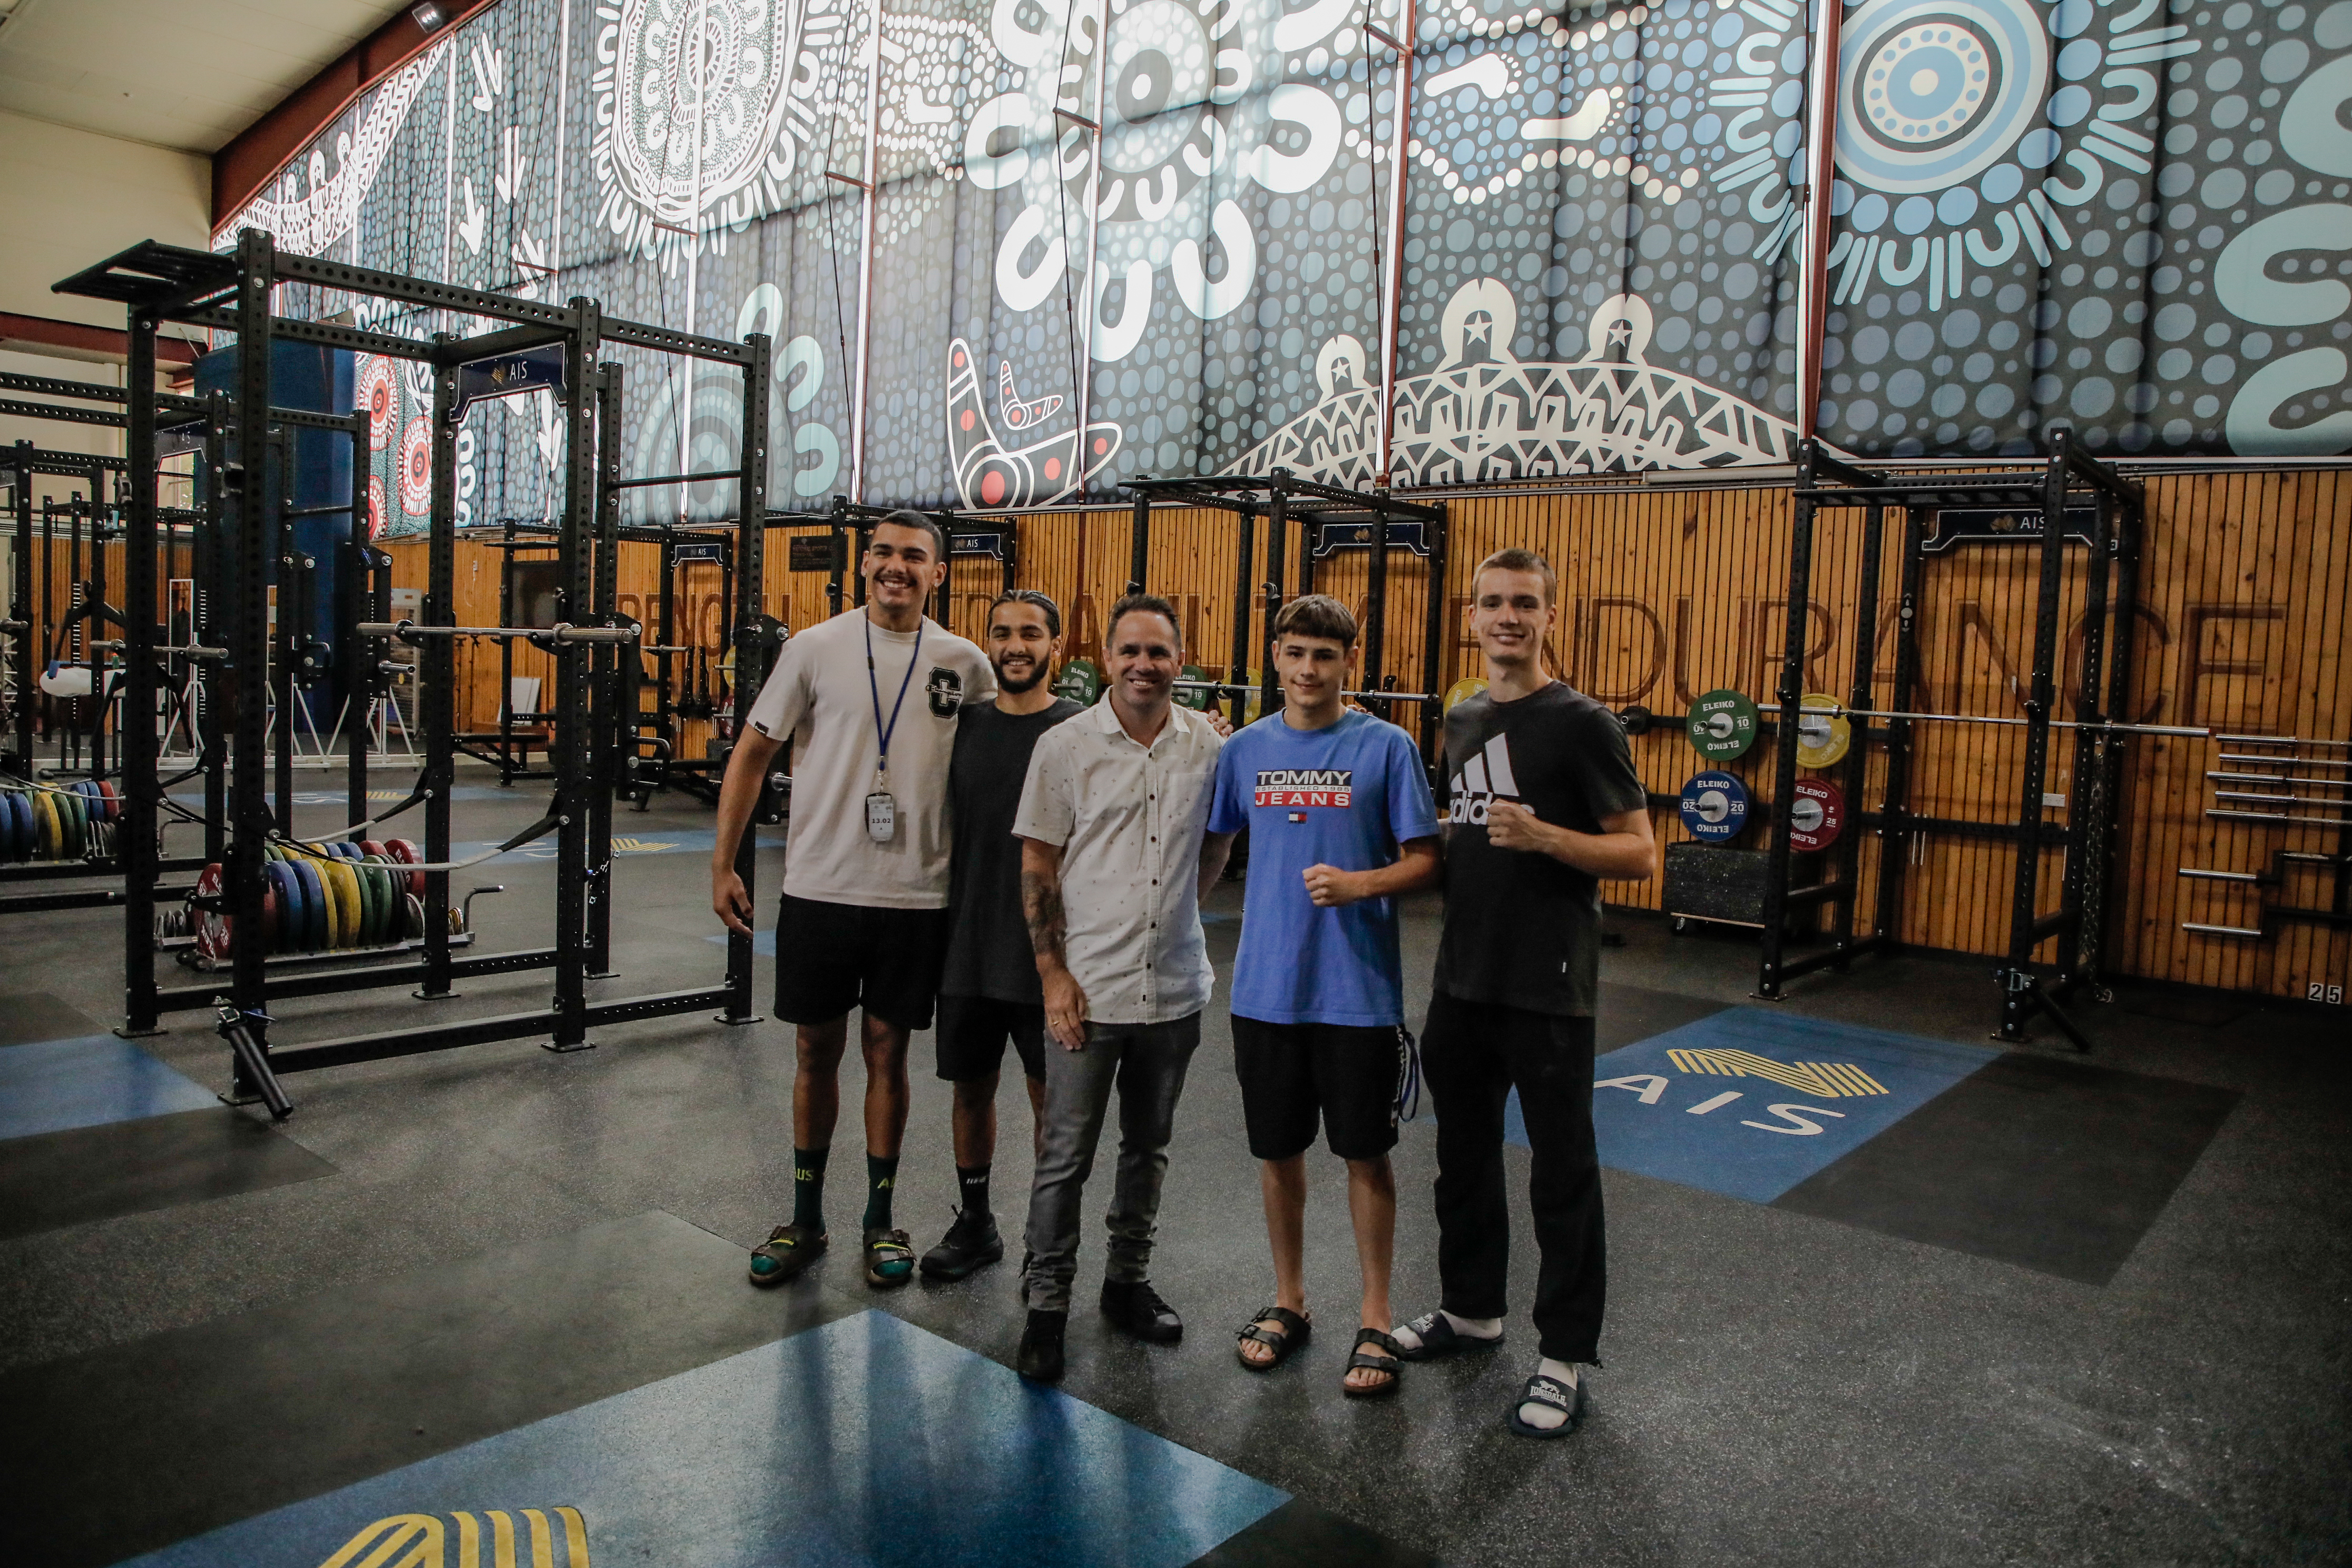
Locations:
1439 1337
1554 1394
1391 1364
1294 1329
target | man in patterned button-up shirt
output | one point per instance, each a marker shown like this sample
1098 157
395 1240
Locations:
1114 857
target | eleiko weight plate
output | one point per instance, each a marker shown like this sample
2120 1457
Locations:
415 927
339 914
113 799
1079 682
371 904
53 833
1821 738
1722 725
1714 806
15 839
1817 815
1193 696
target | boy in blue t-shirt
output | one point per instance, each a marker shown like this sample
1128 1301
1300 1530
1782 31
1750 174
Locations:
1340 822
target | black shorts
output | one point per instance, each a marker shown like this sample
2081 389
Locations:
832 957
1290 1072
973 1029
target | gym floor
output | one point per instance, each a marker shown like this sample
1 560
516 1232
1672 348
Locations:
2003 1307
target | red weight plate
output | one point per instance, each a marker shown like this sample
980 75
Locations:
407 854
1818 816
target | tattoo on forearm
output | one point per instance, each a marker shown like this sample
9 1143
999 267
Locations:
1040 905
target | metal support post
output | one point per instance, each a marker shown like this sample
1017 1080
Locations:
1790 690
750 648
1138 545
136 845
437 672
253 504
574 856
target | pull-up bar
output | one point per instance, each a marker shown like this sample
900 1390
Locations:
561 632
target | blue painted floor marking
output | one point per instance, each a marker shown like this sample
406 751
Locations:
51 1085
867 1441
1749 1102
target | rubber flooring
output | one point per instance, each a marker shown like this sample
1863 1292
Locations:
2001 1306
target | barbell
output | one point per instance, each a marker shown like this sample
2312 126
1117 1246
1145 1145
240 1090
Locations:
1231 689
1840 710
561 632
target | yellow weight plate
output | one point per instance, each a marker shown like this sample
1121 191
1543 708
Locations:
52 836
1823 735
1469 686
347 892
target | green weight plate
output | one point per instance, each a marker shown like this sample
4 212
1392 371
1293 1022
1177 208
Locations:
373 895
74 815
1194 697
1079 682
1722 725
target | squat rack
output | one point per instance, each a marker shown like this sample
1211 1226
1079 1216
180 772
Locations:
232 292
1329 518
2075 499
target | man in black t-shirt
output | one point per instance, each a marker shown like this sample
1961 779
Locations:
990 991
1541 804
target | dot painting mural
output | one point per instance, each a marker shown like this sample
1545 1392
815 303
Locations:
1111 237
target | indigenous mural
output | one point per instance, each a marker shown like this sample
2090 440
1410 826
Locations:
1012 252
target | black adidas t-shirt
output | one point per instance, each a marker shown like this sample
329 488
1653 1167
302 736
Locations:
988 943
1521 929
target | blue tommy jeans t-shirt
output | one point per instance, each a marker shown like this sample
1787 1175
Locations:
1347 796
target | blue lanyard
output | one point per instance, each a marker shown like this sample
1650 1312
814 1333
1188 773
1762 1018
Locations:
882 733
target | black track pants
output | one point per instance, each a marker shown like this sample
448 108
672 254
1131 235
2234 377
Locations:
1473 1055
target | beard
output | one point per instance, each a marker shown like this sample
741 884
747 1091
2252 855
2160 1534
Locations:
1006 682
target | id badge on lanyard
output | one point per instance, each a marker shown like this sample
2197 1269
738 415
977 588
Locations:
881 805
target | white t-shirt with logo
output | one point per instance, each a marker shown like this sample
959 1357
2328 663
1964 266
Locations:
821 696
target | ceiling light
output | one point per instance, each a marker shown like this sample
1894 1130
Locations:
427 15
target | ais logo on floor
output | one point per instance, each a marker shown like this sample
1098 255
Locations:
1749 1102
423 1541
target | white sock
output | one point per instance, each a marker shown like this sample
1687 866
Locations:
1468 1328
1543 1416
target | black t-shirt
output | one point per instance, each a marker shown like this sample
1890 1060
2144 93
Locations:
1521 929
987 950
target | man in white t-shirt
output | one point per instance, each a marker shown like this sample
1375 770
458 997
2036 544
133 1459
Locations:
869 700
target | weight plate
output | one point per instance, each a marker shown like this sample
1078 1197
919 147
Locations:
1193 697
314 928
293 919
269 917
1256 703
28 825
369 846
337 873
1722 725
1821 737
211 928
1817 815
15 840
1079 682
355 930
378 885
113 798
1715 806
406 854
415 926
53 833
1469 685
71 820
342 923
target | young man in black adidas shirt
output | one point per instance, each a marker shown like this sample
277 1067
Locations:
1542 805
990 991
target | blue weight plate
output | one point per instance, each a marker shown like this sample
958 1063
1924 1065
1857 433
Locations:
314 900
291 916
1715 806
15 826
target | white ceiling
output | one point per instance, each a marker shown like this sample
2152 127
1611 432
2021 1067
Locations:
183 74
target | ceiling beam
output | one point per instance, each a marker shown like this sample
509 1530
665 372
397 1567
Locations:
254 156
96 345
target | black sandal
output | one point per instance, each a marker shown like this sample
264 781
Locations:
1550 1393
1295 1328
1439 1337
1388 1363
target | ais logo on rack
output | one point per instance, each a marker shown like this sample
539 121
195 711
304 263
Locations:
1483 779
1297 787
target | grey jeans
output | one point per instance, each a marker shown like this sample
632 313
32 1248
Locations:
1147 1063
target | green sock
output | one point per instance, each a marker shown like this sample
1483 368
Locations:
808 1188
881 1175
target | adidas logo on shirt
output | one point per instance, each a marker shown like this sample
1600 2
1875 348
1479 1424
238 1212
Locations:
1483 779
1305 787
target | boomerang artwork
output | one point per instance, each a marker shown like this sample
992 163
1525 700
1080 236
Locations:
987 474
